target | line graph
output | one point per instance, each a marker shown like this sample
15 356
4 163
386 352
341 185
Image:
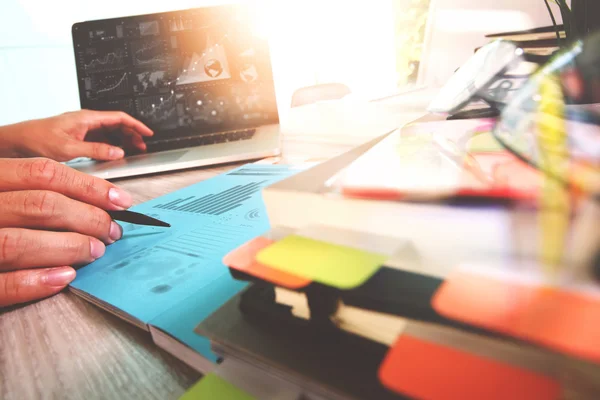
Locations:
119 87
149 53
107 85
108 61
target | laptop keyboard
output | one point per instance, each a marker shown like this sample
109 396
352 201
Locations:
199 140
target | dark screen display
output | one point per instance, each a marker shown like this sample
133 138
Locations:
182 73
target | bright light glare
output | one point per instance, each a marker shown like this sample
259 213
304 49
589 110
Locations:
315 41
311 41
462 20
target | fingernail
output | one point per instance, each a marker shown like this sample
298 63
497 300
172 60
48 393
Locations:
120 198
59 276
116 152
116 232
97 248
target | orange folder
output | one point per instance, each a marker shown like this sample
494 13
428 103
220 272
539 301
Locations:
564 321
426 370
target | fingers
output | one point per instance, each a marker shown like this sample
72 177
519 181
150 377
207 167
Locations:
126 138
24 249
94 150
115 119
138 143
45 174
38 209
25 286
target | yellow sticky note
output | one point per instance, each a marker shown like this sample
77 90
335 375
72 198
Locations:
213 387
333 265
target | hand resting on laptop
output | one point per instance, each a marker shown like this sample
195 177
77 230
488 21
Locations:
52 217
76 134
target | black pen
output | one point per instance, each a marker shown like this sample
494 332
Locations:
136 218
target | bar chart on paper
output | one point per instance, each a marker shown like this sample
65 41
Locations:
216 203
172 278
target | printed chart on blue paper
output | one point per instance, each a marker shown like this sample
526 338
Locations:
154 271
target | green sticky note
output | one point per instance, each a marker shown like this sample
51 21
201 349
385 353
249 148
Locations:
333 265
484 143
213 387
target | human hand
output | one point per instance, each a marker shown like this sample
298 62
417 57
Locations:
51 219
82 133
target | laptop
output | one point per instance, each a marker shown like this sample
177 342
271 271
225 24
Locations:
201 79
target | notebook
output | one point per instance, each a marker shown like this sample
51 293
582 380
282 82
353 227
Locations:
167 280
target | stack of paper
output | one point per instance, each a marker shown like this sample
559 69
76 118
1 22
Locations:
372 296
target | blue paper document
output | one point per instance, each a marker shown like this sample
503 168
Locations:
173 278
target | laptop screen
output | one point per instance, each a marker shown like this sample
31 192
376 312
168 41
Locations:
182 73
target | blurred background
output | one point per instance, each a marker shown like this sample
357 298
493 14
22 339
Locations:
377 48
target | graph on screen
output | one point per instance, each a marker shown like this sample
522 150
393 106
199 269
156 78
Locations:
214 204
96 59
159 110
187 73
149 53
100 86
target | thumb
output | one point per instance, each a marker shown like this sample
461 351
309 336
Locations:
29 285
97 151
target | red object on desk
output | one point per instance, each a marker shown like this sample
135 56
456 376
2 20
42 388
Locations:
427 370
560 320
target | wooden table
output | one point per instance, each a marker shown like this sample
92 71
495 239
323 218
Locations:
66 348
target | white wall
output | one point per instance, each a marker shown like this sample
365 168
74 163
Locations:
457 27
311 41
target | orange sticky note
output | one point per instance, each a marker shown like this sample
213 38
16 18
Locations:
244 259
427 370
560 320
